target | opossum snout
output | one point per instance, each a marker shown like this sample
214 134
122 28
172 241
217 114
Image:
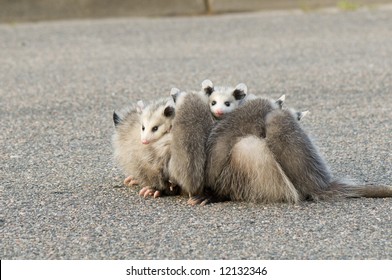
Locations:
219 112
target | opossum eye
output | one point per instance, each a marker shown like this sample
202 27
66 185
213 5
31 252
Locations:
155 128
213 103
143 127
227 103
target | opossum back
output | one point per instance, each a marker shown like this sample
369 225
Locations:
296 153
252 174
191 126
245 120
126 140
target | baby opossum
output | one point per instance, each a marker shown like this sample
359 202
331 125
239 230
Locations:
223 100
304 166
260 153
191 127
142 145
240 165
156 119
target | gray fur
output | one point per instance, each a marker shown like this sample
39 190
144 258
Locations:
303 165
297 155
191 127
240 165
261 153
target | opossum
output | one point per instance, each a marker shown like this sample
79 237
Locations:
240 165
298 114
142 145
279 102
302 163
156 119
260 153
223 100
191 127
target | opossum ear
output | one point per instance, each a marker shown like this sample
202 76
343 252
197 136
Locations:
140 106
300 115
174 92
116 119
169 112
280 101
208 87
240 91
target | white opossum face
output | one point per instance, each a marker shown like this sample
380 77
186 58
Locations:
223 100
155 123
222 103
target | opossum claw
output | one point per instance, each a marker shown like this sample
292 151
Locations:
146 191
198 199
157 194
130 181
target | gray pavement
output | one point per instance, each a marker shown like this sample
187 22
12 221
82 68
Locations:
61 194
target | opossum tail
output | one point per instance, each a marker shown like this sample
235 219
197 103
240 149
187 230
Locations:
348 190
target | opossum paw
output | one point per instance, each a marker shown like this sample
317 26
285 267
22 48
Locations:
198 199
206 198
147 191
130 181
205 202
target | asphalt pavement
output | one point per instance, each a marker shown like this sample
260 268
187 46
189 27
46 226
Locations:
62 195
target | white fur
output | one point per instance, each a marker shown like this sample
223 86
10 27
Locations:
267 181
242 87
282 98
222 99
222 102
153 123
206 84
174 91
302 114
140 106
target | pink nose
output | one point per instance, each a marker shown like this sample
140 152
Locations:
219 112
144 141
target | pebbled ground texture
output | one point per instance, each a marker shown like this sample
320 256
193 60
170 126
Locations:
62 195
